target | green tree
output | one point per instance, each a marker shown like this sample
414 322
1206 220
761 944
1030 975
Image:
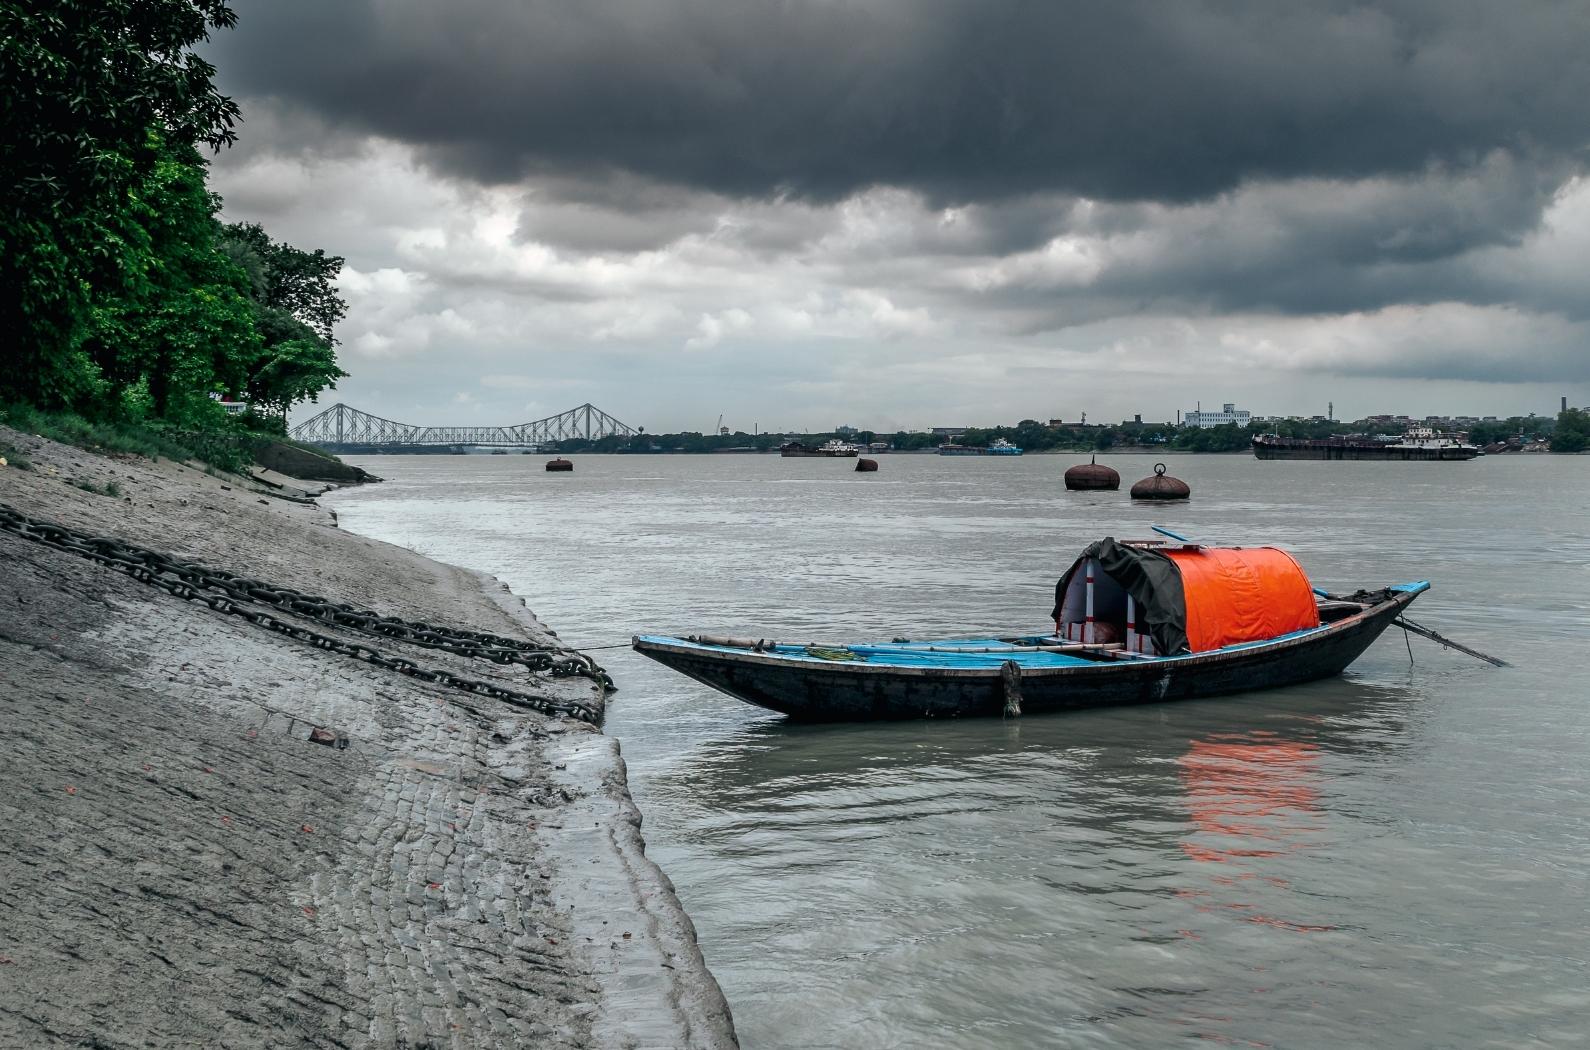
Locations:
177 323
1572 433
287 278
296 306
291 371
82 83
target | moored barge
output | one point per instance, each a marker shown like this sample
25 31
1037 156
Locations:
834 449
1420 443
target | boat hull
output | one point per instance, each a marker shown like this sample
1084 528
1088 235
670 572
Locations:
855 692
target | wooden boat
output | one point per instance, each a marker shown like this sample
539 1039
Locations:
1135 622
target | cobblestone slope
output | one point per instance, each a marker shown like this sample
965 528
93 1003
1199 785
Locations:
181 866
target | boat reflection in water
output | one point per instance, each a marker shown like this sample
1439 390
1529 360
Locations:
1252 797
1126 873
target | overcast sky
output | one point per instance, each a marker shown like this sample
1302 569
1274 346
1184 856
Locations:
803 213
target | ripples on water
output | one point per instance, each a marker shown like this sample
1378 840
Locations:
1394 858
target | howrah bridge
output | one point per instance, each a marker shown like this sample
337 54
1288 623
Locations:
345 428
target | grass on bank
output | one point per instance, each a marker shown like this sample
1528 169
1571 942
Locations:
111 489
226 450
14 457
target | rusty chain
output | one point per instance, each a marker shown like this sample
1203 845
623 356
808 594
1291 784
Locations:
233 595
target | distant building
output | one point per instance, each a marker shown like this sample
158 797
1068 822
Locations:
949 432
846 431
1229 413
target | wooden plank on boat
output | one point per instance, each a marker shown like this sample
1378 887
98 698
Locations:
757 644
1074 647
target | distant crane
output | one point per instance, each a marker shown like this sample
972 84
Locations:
721 428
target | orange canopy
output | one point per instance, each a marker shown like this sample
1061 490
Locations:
1246 594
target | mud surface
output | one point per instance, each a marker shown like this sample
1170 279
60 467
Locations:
181 866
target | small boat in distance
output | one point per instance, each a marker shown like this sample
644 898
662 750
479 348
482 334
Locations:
1419 443
1000 447
1135 621
834 449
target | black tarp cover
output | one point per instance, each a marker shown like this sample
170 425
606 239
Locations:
1151 579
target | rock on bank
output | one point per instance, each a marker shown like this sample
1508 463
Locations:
180 866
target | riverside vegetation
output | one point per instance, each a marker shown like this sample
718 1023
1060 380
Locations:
130 308
1569 432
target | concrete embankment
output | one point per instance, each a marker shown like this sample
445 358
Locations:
181 866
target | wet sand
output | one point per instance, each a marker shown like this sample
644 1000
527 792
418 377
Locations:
180 865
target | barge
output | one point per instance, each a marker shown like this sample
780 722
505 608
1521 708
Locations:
1419 443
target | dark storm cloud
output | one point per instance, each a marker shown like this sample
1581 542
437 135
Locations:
963 100
1304 247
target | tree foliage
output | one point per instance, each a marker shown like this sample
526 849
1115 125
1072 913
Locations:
296 281
296 306
82 84
120 291
1572 433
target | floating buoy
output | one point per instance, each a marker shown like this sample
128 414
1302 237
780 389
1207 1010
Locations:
559 464
866 464
1160 486
1092 476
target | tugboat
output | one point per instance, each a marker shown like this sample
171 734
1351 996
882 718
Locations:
834 449
1001 447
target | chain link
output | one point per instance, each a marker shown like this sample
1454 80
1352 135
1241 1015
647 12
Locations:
240 595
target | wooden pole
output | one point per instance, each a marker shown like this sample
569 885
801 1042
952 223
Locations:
1425 632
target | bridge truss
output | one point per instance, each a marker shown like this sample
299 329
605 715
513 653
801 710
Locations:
344 425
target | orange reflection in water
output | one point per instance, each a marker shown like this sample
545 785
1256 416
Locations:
1252 797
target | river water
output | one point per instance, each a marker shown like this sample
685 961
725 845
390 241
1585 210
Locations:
1399 857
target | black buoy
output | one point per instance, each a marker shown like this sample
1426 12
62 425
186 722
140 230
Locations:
559 464
866 464
1092 476
1161 486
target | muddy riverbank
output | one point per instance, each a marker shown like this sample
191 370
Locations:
180 865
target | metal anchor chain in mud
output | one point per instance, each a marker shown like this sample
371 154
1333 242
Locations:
196 583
